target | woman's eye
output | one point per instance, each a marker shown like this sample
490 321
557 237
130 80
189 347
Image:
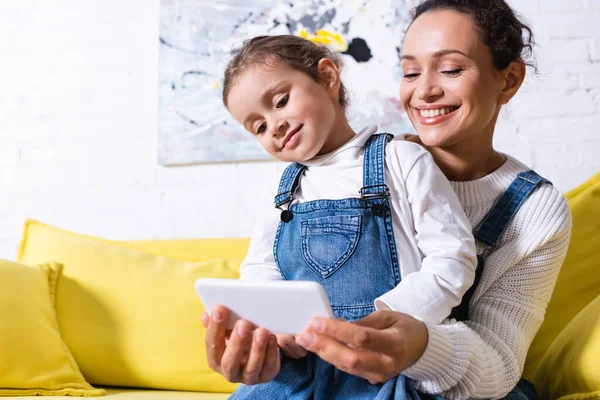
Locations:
411 76
453 72
261 128
283 101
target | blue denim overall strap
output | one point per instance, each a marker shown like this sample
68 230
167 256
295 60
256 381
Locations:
490 230
374 187
496 221
289 183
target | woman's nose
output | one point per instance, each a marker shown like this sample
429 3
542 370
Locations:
428 88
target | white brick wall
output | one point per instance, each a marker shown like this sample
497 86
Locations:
78 122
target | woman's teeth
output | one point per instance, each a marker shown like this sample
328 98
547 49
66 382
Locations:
437 112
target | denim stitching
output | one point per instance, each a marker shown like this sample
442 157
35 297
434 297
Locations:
353 236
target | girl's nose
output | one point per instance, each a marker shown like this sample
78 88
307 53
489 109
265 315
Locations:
281 128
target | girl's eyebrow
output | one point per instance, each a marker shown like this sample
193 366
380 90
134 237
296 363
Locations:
272 90
437 54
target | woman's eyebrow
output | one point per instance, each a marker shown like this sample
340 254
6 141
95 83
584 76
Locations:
437 54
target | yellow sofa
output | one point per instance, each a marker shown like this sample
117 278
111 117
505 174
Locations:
129 317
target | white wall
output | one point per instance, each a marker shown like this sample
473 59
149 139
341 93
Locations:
78 122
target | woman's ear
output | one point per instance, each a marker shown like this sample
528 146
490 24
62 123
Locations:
329 76
513 75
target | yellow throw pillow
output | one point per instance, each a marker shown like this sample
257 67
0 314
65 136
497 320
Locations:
578 283
194 249
570 368
130 318
34 360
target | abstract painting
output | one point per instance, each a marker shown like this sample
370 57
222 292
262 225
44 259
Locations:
196 39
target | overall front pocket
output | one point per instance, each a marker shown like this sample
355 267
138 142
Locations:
327 242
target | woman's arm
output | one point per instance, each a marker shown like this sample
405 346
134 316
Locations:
481 358
487 352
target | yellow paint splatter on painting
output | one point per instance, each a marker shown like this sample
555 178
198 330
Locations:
323 37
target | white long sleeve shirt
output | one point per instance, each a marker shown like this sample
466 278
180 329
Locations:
436 249
483 358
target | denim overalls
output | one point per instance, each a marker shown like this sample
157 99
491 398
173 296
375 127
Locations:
348 247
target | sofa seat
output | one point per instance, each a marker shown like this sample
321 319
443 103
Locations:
142 394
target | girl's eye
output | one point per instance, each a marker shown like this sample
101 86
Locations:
453 72
283 101
261 128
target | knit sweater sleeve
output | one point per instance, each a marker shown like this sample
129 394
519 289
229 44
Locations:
484 357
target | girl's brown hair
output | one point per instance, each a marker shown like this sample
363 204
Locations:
300 54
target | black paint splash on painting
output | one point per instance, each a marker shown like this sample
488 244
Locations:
164 42
243 21
359 50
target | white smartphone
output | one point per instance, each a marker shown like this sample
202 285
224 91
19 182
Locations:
278 306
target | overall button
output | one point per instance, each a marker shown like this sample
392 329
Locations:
377 209
286 216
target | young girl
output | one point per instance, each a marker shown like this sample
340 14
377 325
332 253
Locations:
370 218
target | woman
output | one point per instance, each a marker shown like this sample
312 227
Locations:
462 60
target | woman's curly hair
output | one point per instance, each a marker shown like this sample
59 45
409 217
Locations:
501 28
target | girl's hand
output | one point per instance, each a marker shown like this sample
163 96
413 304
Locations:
377 347
242 354
289 347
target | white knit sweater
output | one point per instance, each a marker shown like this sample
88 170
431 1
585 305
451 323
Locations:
484 357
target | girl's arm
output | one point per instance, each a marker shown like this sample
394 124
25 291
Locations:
443 236
259 263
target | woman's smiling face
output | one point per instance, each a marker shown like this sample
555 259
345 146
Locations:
450 88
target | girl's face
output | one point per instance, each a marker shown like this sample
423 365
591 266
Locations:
450 89
291 115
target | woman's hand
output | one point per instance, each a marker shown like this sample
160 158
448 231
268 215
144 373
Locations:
377 347
242 354
289 347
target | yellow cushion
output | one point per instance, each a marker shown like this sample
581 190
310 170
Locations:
130 318
34 360
194 249
145 394
570 368
578 283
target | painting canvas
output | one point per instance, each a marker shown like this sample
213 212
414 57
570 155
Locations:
196 40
